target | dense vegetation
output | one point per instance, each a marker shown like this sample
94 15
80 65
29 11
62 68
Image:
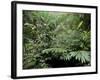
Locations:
55 39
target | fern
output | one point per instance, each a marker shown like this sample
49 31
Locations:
66 56
83 56
54 50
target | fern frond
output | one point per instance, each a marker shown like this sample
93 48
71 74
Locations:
83 56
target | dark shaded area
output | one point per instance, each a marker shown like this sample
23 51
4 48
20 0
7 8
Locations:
56 63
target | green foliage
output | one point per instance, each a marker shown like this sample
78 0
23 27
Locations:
83 56
55 36
54 50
